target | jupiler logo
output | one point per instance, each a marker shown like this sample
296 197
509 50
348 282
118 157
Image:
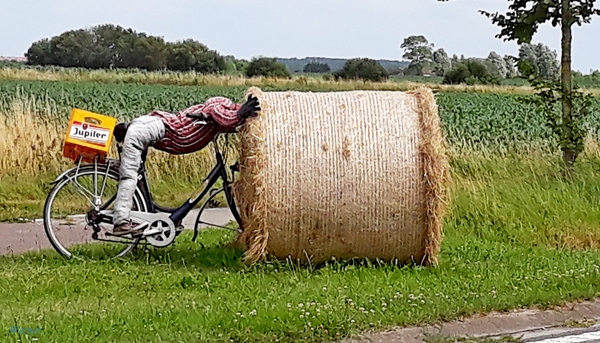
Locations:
90 134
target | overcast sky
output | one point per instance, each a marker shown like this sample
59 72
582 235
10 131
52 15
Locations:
290 28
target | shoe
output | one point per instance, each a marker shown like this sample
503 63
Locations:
128 228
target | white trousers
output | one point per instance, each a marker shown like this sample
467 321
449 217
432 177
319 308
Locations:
143 132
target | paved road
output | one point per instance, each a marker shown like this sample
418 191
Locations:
564 324
17 238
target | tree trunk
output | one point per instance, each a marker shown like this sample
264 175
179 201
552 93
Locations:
569 152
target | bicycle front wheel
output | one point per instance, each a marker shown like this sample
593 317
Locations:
67 214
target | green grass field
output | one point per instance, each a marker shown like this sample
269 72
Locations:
516 235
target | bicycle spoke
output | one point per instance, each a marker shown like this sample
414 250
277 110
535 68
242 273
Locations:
69 208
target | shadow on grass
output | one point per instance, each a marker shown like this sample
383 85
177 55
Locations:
212 251
189 255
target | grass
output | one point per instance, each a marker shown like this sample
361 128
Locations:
515 236
196 79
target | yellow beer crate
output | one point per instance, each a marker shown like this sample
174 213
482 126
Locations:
89 135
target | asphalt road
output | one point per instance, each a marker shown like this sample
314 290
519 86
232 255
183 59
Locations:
16 238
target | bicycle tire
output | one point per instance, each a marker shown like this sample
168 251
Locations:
101 170
231 205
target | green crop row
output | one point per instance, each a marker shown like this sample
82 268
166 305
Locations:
469 119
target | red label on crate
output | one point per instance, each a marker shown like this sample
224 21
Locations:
89 133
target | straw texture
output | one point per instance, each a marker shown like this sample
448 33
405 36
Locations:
343 175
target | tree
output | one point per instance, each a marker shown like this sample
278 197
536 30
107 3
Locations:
442 63
316 67
519 24
192 55
39 53
541 58
511 66
498 64
112 46
471 71
364 69
418 51
267 67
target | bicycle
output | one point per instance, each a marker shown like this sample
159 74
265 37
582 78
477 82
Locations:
161 224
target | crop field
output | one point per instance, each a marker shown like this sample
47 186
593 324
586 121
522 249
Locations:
474 123
469 118
516 234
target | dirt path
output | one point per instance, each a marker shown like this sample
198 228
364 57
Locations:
17 238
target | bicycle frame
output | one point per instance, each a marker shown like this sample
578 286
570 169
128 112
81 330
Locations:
179 213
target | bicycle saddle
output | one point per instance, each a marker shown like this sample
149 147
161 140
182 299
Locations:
120 131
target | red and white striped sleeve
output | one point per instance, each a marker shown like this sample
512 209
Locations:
223 111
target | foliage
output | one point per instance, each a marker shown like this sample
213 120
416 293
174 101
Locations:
110 46
498 64
362 69
539 57
521 22
267 67
193 55
418 51
471 72
570 133
316 67
441 62
524 17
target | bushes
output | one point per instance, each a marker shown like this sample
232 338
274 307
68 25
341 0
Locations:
193 55
316 67
267 67
471 72
110 46
362 68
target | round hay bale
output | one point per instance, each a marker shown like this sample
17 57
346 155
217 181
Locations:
357 174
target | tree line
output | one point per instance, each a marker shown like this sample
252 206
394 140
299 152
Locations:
424 60
112 46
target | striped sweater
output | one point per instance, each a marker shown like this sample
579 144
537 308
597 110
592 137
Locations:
185 135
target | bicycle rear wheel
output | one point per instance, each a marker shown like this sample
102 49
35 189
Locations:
212 215
69 217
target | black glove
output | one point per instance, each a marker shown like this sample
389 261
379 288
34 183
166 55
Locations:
250 108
